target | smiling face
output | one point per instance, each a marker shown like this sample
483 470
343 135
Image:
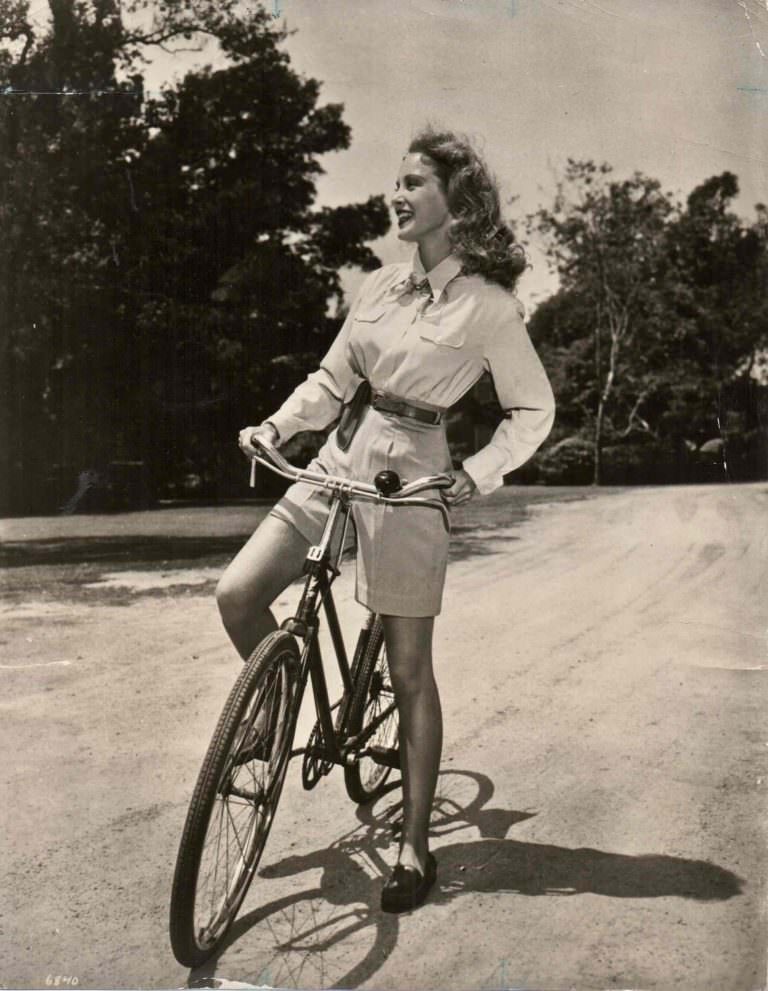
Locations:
419 202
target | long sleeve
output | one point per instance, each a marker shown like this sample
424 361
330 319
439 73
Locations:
317 402
526 397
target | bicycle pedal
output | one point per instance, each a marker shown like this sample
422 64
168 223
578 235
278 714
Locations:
256 752
317 762
257 748
388 756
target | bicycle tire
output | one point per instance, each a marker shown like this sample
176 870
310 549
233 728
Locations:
234 800
372 696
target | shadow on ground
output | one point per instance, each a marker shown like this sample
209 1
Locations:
475 541
333 931
117 551
466 541
475 526
49 565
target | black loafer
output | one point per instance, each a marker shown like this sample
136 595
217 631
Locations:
406 887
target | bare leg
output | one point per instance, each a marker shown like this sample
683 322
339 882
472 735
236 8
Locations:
268 563
409 652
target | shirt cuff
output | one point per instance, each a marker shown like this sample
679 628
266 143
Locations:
486 469
287 426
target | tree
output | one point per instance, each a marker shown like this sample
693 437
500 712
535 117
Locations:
606 239
657 335
161 252
719 292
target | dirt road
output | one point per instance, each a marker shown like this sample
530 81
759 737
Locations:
601 812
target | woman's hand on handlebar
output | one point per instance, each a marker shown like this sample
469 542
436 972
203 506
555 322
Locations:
462 490
265 430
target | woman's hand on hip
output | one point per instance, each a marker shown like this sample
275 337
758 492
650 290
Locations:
265 430
462 490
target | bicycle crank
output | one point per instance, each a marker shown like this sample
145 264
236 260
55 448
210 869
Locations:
315 764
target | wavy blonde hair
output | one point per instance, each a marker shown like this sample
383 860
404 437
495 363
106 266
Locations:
481 239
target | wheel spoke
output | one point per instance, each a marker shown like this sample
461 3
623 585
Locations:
220 814
240 846
373 721
234 801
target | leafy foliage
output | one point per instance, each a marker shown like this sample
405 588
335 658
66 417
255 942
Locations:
661 311
159 253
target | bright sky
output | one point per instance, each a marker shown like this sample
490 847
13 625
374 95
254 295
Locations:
677 89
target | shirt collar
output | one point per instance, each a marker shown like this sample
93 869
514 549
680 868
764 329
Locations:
439 277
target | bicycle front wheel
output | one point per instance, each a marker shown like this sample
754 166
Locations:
373 716
234 800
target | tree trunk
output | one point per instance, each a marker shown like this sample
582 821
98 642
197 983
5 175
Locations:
605 395
598 454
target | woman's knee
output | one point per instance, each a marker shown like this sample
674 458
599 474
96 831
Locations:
412 682
270 560
235 597
409 651
411 671
241 592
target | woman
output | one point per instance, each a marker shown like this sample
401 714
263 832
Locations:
421 333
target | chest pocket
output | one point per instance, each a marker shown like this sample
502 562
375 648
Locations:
369 314
441 335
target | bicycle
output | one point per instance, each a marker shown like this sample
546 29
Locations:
241 779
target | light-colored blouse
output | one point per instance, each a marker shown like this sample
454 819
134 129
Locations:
430 348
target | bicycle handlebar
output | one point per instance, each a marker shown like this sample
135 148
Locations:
271 458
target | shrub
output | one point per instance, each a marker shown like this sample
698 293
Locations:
569 462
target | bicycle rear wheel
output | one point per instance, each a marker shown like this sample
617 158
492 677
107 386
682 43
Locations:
373 716
235 799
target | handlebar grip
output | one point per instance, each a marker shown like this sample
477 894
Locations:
256 440
445 483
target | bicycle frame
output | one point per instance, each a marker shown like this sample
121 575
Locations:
239 785
321 567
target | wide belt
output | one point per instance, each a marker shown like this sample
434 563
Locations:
399 407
